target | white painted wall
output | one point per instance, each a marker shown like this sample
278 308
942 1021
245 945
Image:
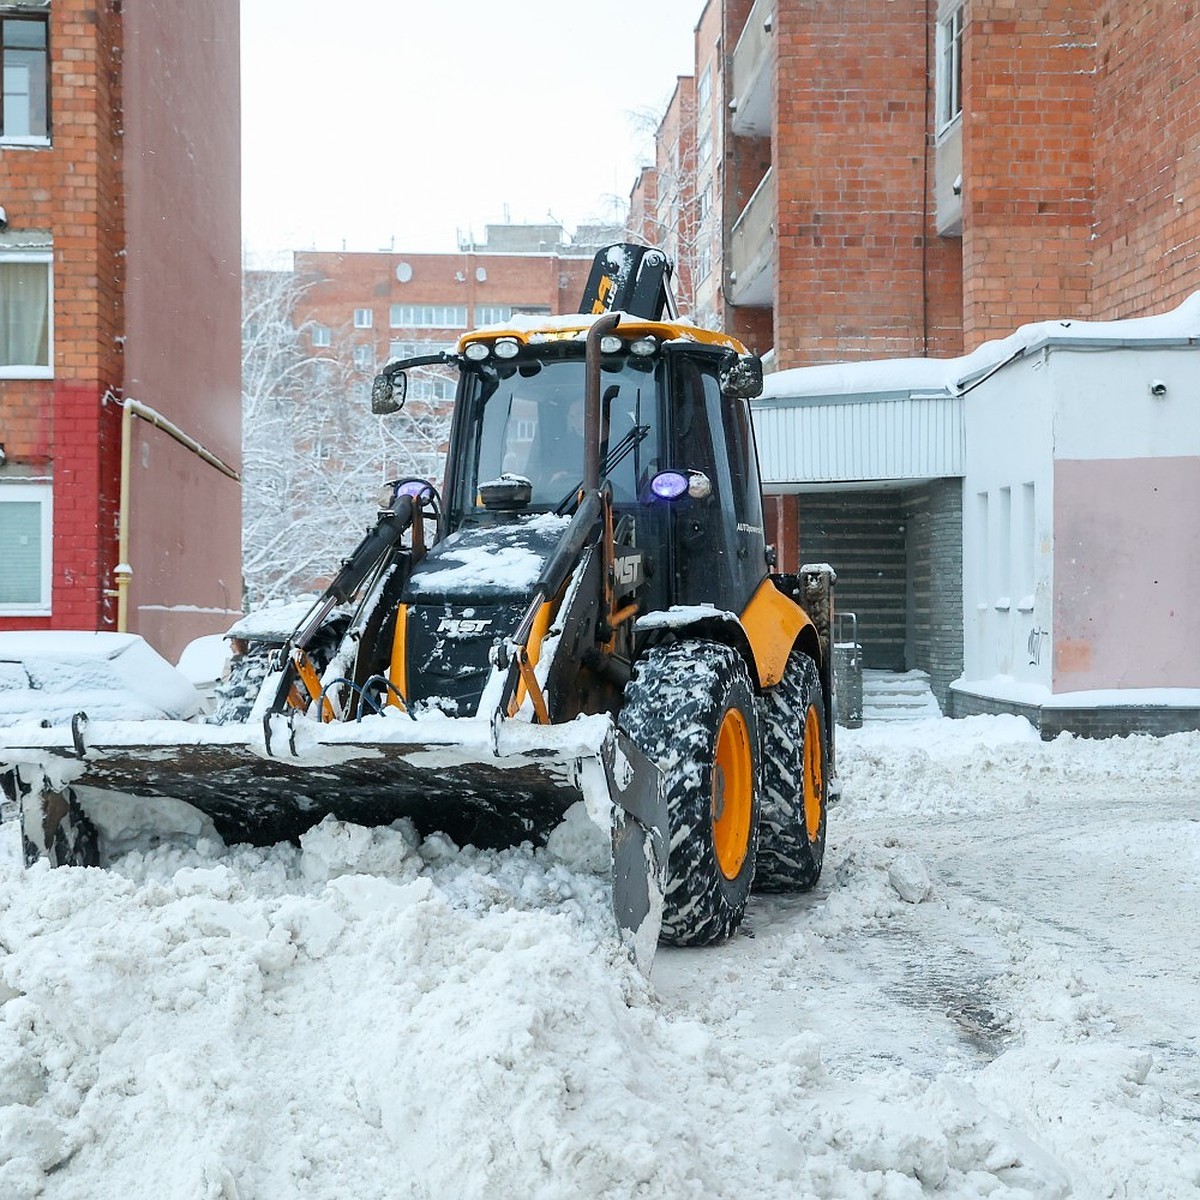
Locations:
1007 525
1104 407
1095 584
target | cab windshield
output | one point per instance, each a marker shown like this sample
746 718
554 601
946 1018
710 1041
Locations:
525 418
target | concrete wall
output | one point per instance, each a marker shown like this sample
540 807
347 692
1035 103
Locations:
1126 542
183 312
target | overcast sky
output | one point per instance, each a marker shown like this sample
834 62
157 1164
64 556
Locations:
376 123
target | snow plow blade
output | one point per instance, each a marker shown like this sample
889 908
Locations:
481 785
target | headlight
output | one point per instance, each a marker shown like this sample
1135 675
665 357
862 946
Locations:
477 351
507 348
643 347
610 344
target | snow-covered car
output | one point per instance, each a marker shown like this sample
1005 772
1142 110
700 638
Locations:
50 675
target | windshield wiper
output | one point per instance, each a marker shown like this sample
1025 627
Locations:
625 447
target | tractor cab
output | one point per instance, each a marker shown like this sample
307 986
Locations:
671 436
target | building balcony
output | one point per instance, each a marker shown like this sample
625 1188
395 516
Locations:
752 249
751 104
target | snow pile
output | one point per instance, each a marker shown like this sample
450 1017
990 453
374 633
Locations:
49 676
368 1015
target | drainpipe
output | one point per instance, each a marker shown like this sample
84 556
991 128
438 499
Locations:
130 409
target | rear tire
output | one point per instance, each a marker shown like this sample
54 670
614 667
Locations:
791 846
690 708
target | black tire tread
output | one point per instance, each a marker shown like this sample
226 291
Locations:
673 709
787 860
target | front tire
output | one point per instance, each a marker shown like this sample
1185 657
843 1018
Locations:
791 846
690 708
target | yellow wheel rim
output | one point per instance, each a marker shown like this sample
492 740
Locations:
733 794
814 772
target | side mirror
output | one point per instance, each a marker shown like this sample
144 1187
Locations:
388 393
743 378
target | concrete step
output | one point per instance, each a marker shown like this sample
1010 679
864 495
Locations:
898 696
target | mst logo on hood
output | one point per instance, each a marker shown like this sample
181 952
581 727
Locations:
460 627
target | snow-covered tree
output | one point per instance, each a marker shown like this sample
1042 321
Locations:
314 455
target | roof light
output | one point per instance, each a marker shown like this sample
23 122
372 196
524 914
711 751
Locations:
477 351
643 347
507 348
699 485
610 344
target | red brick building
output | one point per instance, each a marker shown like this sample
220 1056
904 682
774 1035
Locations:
119 317
911 180
391 305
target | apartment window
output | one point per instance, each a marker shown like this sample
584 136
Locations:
704 90
949 67
492 314
429 316
400 349
321 335
364 357
25 533
704 144
435 388
364 318
25 100
26 315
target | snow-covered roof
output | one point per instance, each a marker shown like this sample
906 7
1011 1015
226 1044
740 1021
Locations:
927 377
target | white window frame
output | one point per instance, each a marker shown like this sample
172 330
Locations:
704 90
428 316
949 68
364 318
320 335
492 314
34 139
34 370
43 494
407 348
364 357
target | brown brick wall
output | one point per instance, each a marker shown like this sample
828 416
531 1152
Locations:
338 283
1029 93
1146 255
857 262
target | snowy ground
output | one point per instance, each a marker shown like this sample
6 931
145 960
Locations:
993 993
